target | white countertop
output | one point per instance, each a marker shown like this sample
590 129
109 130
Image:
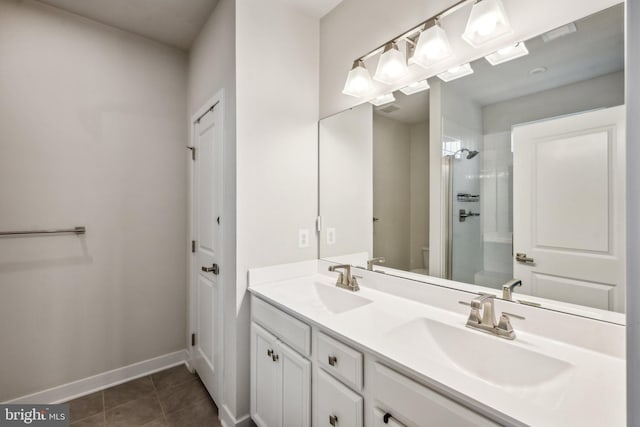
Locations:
589 392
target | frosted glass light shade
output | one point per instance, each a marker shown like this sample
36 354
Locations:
359 81
432 47
507 54
383 99
487 22
392 65
415 87
456 72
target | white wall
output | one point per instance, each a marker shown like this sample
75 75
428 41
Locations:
277 148
355 27
212 69
391 191
419 195
632 98
92 124
346 173
600 92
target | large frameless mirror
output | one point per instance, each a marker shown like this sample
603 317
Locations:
515 171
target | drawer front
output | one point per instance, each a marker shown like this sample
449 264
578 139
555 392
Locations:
340 360
413 403
338 406
285 327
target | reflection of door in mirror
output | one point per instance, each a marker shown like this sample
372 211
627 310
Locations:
569 208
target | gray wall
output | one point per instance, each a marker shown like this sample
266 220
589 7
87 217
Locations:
93 133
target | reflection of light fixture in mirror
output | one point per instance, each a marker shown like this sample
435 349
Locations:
415 87
359 81
456 72
383 99
507 54
392 65
487 22
432 47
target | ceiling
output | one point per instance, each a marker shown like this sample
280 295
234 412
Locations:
595 49
172 22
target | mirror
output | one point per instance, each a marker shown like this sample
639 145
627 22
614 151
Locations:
515 171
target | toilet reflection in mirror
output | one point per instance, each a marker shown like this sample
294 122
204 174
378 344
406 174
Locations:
516 170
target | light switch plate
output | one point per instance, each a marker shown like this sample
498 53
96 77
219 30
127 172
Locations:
331 236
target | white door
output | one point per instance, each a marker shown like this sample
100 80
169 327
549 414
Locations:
206 286
265 378
569 208
295 371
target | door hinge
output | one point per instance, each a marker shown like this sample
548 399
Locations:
193 246
318 223
193 152
193 340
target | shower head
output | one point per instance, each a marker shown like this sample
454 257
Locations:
470 153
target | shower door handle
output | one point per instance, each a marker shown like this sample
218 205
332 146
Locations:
521 257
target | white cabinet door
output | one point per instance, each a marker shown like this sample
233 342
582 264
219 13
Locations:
295 372
569 208
265 377
338 406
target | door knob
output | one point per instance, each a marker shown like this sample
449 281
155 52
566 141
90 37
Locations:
520 257
333 420
333 360
213 269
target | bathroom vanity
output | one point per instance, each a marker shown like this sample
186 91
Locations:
399 354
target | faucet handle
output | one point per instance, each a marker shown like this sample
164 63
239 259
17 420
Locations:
504 327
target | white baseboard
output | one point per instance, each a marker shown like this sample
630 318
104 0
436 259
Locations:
72 390
228 420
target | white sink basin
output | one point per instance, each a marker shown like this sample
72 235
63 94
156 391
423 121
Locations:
501 363
323 297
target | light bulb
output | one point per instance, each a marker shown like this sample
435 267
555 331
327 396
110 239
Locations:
487 22
507 53
359 81
392 65
432 47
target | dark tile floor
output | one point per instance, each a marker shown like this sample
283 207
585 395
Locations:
173 397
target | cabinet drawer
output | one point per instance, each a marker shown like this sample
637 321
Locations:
413 403
289 329
337 405
340 360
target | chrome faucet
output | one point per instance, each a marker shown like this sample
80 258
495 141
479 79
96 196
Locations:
482 317
374 261
345 279
507 289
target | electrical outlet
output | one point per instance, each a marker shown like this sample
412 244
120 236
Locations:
303 238
331 236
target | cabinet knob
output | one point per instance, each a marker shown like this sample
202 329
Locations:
386 417
269 352
274 357
333 420
333 360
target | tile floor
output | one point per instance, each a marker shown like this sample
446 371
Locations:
173 397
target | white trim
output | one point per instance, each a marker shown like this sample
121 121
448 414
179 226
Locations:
228 420
72 390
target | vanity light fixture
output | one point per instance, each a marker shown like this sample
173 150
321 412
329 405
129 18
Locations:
383 99
359 81
456 72
487 22
415 87
507 54
392 65
432 47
